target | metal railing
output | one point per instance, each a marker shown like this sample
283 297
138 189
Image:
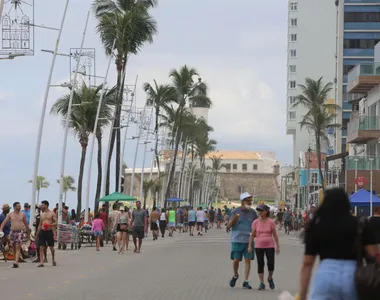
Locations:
364 123
363 69
362 163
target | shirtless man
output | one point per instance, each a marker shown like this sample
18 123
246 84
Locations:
45 232
154 217
112 220
19 230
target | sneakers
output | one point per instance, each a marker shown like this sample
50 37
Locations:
233 281
261 287
246 285
271 283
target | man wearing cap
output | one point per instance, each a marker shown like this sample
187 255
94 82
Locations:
26 211
241 224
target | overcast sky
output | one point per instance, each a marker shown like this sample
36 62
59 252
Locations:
238 47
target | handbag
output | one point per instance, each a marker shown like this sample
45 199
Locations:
367 274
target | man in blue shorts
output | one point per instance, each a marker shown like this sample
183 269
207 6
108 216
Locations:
241 225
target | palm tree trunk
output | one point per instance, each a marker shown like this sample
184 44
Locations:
319 158
100 171
120 85
84 144
156 144
184 155
65 197
38 196
109 158
172 169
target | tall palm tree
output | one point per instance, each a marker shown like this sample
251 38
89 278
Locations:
130 25
80 123
68 185
320 115
42 183
159 96
148 184
156 190
216 166
187 91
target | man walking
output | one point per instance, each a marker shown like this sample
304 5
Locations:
192 217
26 211
48 221
139 222
4 241
287 220
241 225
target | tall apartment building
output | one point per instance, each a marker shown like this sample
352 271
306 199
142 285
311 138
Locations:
312 43
359 23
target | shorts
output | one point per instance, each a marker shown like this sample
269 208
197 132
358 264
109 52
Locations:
287 223
98 233
46 238
138 232
180 224
191 223
171 224
238 250
18 237
118 228
200 223
153 226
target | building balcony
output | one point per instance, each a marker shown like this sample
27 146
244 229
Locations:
362 163
363 129
363 78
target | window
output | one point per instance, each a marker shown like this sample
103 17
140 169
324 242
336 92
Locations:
293 52
244 167
347 69
234 166
292 84
292 68
360 44
293 22
293 6
293 37
292 100
314 178
362 17
254 167
291 115
228 167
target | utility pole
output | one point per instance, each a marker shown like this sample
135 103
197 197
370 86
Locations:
308 178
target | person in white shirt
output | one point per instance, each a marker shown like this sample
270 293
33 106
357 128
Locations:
200 220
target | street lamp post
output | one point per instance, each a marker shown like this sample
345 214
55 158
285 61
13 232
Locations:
42 117
356 173
93 139
67 123
137 148
370 188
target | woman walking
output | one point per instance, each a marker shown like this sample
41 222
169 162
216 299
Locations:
122 229
163 222
219 219
265 234
98 227
332 235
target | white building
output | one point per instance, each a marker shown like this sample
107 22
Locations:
311 54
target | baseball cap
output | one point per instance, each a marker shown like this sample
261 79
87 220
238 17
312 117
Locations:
262 207
245 196
26 204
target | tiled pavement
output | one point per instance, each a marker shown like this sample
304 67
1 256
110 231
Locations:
179 268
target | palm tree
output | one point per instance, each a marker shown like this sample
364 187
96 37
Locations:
68 185
156 190
216 165
159 96
81 123
42 183
128 24
320 115
187 92
147 186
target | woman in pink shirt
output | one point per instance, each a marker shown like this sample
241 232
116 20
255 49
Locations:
265 235
97 228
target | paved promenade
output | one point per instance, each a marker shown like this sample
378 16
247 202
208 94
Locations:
179 268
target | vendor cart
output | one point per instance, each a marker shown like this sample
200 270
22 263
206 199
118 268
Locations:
68 234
